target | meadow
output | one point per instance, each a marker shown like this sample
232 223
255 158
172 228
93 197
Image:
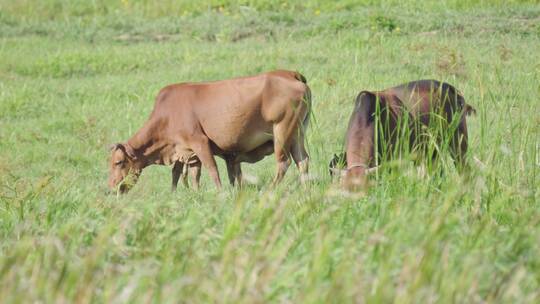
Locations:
77 76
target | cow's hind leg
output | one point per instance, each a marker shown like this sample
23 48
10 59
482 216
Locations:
300 156
285 133
281 150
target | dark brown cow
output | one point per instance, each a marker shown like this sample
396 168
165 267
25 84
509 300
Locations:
406 111
240 120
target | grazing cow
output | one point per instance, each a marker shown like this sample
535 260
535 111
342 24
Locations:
380 119
240 120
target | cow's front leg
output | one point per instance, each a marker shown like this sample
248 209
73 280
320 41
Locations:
202 149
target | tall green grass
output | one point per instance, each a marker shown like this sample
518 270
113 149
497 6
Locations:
78 76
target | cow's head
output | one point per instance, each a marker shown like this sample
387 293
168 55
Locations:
123 168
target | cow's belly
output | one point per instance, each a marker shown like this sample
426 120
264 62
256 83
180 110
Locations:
242 137
235 124
236 128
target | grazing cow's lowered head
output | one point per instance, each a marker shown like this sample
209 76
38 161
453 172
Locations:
383 124
123 168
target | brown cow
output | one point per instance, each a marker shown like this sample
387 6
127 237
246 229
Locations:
241 120
406 111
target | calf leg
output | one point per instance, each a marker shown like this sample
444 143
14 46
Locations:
234 167
184 175
204 152
230 171
195 173
238 173
176 171
234 171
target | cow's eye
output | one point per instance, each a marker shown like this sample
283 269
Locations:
118 163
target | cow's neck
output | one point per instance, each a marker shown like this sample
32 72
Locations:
149 147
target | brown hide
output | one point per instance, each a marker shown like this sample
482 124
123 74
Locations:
241 120
414 105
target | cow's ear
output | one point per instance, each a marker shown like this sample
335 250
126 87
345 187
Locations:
366 103
114 147
129 151
126 148
469 110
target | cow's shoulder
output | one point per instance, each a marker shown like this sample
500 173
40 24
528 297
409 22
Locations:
178 89
286 74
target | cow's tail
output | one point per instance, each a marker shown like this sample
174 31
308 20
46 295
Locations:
300 77
307 99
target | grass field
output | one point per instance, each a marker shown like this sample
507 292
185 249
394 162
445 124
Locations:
76 76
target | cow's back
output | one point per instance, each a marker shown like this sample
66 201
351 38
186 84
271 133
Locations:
236 114
424 96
